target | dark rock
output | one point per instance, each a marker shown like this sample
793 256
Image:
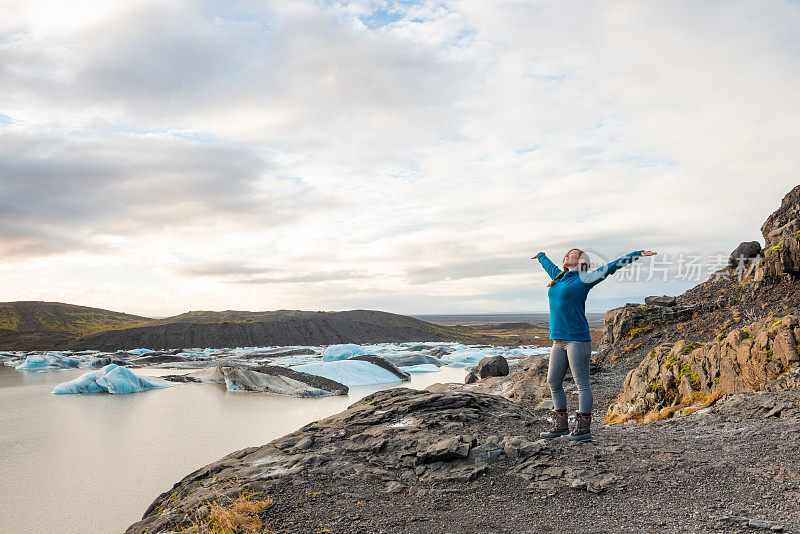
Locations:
492 366
382 362
451 448
413 359
663 300
155 358
183 379
275 353
517 447
472 377
742 254
395 487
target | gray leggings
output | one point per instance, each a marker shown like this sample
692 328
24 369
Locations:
576 354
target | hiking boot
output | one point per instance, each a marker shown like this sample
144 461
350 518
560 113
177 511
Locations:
560 426
582 430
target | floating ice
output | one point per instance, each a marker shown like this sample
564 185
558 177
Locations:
465 356
112 379
51 360
140 351
287 361
350 372
421 368
34 361
341 352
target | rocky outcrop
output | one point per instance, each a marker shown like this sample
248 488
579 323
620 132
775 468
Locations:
756 282
400 436
744 359
627 327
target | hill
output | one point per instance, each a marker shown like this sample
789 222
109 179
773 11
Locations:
32 325
59 326
285 327
37 316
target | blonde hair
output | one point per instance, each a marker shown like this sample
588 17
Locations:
583 264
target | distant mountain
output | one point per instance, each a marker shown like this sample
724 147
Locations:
58 326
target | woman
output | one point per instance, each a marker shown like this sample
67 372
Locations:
569 331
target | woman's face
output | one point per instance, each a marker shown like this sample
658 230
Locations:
571 259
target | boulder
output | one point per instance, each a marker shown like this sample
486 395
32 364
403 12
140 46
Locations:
742 254
663 300
492 366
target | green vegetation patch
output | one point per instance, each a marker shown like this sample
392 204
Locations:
641 328
685 370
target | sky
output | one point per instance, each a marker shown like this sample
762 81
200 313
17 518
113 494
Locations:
408 156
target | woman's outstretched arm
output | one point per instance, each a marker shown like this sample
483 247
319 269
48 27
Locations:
595 277
548 265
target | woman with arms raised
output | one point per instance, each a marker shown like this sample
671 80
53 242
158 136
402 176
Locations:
569 332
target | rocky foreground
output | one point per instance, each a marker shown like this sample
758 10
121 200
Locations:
403 460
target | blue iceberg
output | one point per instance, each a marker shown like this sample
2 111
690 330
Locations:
350 372
464 356
110 379
421 368
341 352
51 360
34 361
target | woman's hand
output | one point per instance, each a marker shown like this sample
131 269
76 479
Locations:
537 255
648 253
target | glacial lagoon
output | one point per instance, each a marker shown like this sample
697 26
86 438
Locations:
95 462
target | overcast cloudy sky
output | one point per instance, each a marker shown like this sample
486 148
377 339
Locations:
410 156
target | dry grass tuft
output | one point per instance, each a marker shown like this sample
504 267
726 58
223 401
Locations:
231 516
696 402
751 376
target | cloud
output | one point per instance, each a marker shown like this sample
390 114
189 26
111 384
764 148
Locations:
308 278
417 151
61 193
478 267
238 272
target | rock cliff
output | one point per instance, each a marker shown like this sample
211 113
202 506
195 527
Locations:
737 331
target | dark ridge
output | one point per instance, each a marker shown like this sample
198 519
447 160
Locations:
276 328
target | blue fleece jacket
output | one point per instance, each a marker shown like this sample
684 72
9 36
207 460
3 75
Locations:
568 296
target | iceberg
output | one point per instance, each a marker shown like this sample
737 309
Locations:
270 379
350 372
464 356
334 353
34 361
111 379
51 360
421 368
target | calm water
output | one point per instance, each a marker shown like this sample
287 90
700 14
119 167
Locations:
94 463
